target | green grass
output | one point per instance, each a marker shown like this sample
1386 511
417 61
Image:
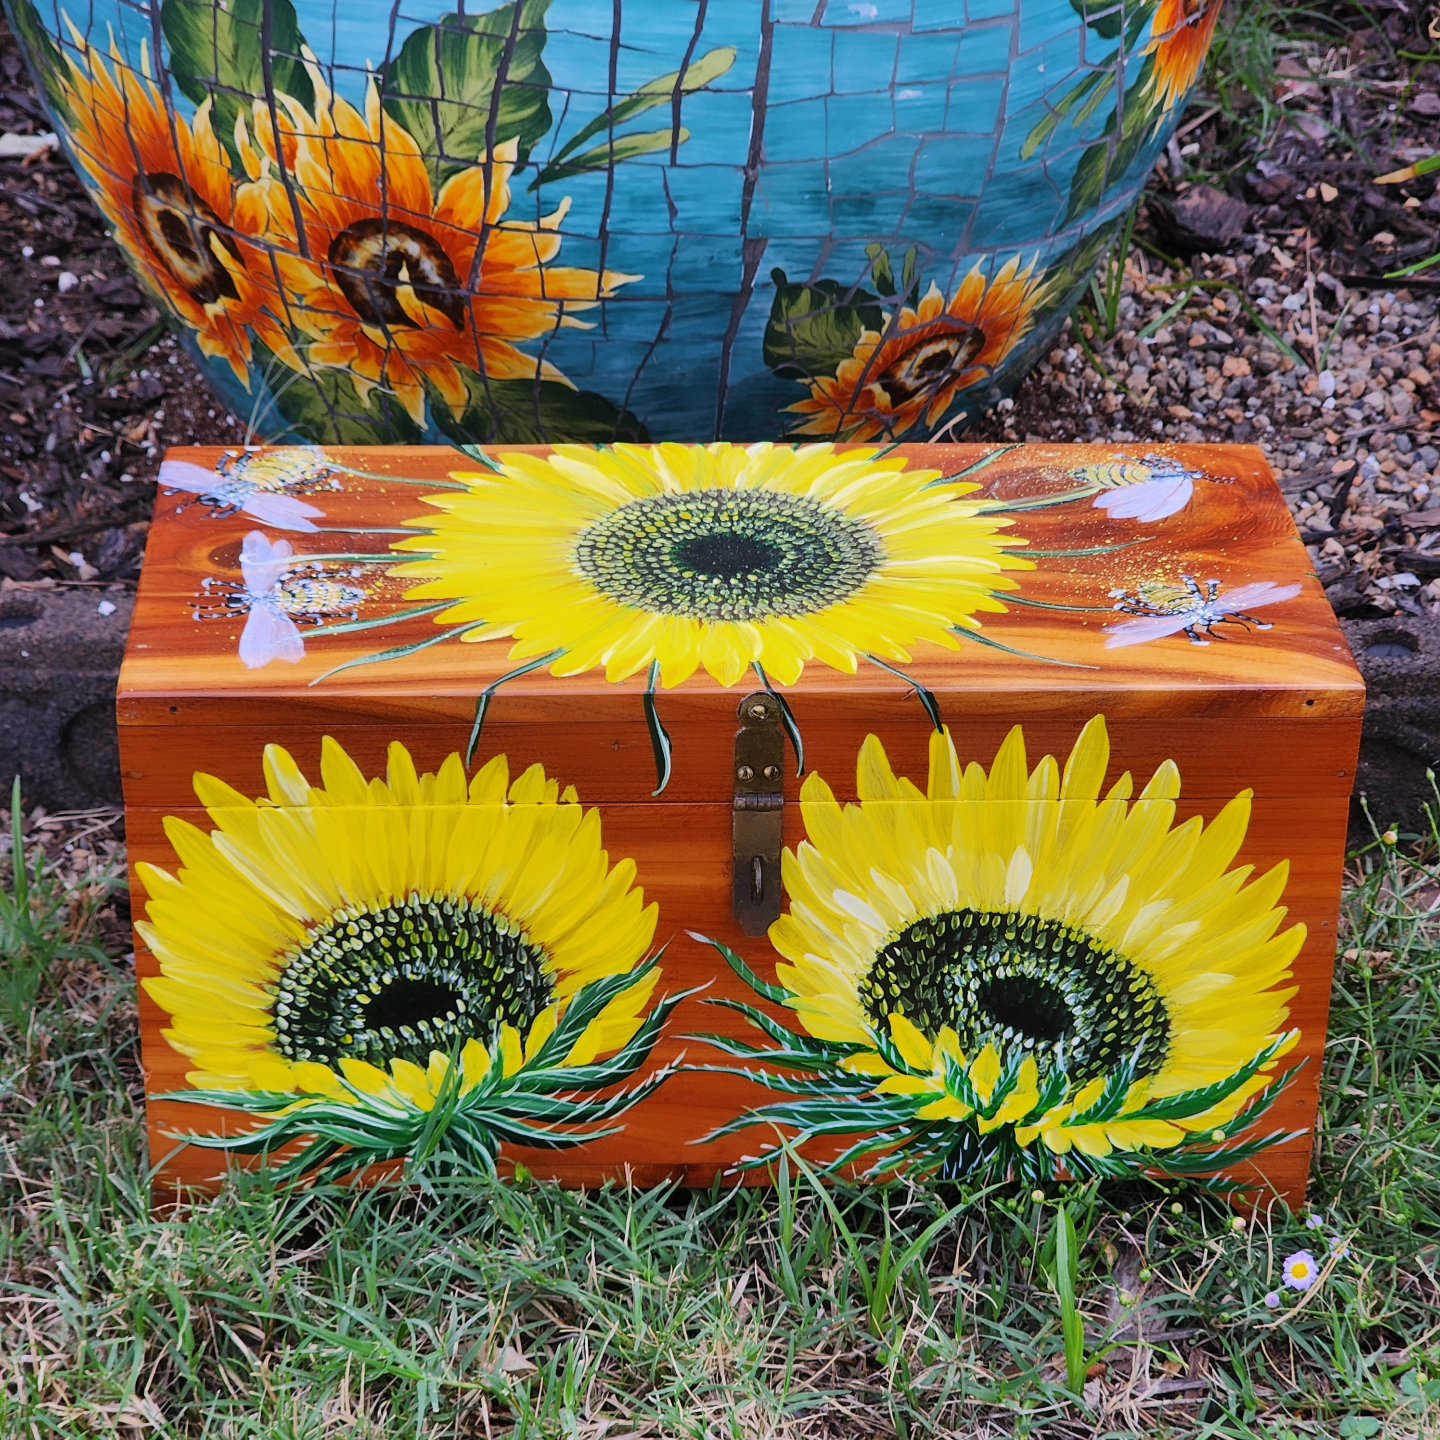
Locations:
478 1309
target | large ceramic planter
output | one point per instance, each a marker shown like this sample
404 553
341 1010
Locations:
568 219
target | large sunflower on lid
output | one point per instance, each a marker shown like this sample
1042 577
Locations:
165 184
375 966
720 557
406 284
910 375
1018 969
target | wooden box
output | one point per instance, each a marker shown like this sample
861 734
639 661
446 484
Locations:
1056 893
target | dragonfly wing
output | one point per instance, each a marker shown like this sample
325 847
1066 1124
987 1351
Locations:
1249 597
268 635
283 511
263 562
1148 627
182 475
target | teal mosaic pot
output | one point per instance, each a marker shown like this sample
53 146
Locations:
582 219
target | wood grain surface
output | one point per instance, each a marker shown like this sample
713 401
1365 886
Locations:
1274 711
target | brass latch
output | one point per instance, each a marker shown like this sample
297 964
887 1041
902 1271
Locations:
759 809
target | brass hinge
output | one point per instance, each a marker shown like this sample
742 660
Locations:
758 815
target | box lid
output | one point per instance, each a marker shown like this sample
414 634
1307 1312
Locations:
610 601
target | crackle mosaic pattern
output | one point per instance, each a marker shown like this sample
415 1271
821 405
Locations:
573 220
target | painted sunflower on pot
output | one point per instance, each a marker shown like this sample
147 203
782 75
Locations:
401 967
910 375
166 186
406 283
1182 31
1020 971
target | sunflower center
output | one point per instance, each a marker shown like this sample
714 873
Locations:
1024 984
934 362
728 555
184 232
378 264
395 984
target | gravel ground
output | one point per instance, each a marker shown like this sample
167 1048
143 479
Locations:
1346 407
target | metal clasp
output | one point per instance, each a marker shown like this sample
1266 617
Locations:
758 816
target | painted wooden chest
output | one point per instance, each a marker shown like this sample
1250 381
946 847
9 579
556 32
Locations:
644 809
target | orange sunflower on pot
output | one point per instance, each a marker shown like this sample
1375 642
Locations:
1183 30
165 185
402 283
911 374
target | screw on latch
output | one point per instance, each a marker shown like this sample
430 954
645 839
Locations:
745 773
756 710
771 772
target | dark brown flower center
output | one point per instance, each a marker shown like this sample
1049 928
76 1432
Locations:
934 358
185 234
402 981
1024 984
372 259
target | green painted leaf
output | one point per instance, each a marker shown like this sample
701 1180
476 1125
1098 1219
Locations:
469 83
1096 85
1107 18
536 412
602 157
665 89
249 49
325 407
881 269
815 327
1106 161
47 66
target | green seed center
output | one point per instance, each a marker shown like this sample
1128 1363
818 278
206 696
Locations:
728 555
1025 984
397 983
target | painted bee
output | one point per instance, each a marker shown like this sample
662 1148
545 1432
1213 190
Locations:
260 483
1167 609
274 593
1147 489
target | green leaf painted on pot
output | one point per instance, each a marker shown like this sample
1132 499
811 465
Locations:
664 90
46 63
1079 264
1106 161
235 54
882 270
469 83
1092 91
1109 18
602 157
814 327
325 407
534 412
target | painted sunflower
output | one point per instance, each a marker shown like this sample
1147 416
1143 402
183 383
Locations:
1183 30
371 964
406 285
1007 968
165 185
723 557
910 376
